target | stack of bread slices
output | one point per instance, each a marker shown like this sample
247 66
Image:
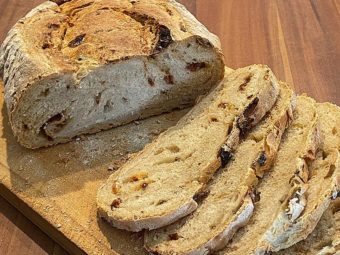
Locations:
253 168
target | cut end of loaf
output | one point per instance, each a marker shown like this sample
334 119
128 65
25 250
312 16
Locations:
59 108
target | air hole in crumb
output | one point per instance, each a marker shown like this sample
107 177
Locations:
205 43
330 171
116 203
173 148
115 188
151 82
160 202
169 79
68 87
222 105
213 119
245 83
25 127
169 11
108 106
78 40
46 46
230 127
97 98
195 66
53 26
183 29
43 133
55 118
310 153
45 92
173 236
334 131
324 155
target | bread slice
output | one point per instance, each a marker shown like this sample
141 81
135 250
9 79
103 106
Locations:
137 59
160 184
313 188
228 204
325 239
299 144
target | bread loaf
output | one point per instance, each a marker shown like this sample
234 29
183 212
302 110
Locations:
228 204
162 183
64 77
299 144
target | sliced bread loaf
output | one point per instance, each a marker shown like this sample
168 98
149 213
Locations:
299 144
161 183
228 204
313 188
324 240
138 58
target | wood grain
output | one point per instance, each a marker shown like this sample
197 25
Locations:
299 40
19 236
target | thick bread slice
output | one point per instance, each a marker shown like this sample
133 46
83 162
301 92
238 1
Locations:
325 239
228 204
299 144
313 188
137 59
159 185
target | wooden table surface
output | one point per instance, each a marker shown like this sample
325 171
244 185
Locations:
299 40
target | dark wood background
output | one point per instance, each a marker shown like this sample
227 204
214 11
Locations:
298 39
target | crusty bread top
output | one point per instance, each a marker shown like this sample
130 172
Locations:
119 29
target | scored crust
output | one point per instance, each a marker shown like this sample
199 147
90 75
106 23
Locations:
220 217
151 190
63 77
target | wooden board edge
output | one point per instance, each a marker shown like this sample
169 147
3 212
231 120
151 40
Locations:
40 222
